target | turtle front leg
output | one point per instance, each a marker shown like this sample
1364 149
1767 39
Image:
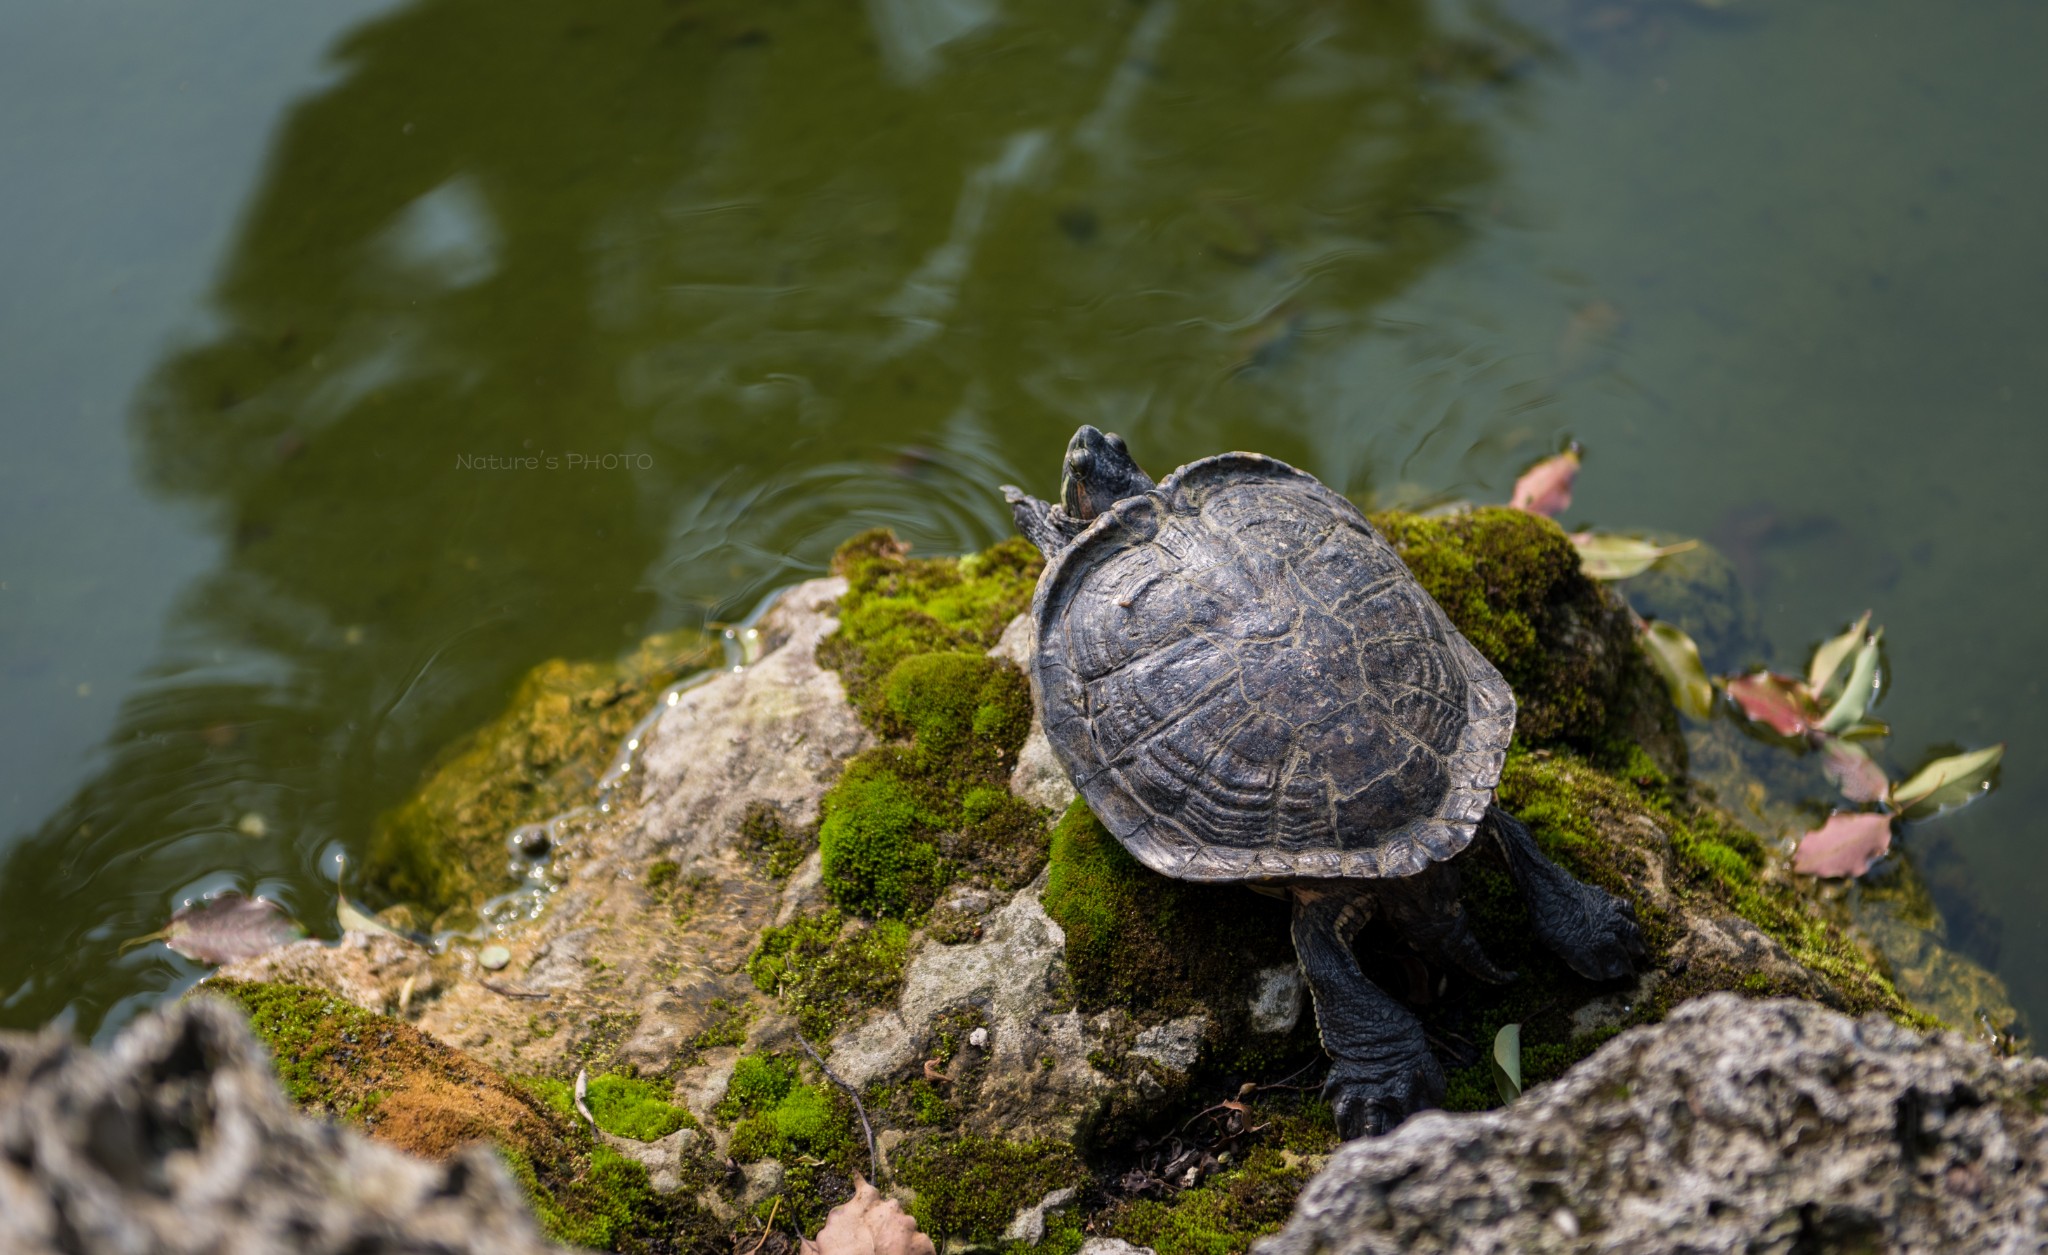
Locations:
1039 521
1382 1070
1594 932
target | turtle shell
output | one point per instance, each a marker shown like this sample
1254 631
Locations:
1245 682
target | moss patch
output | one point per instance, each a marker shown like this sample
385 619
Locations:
545 753
811 1129
624 1106
1137 940
969 1188
1511 582
1223 1216
826 965
403 1087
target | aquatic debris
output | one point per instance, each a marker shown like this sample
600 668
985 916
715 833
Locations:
227 928
1779 702
252 825
1677 660
1851 769
1846 845
1604 557
1861 689
353 919
1507 1062
1828 659
494 958
1546 488
869 1224
1947 783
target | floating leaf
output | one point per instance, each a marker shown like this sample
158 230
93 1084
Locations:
1850 768
869 1224
1546 488
1605 557
229 927
354 919
1507 1062
1828 659
1846 845
1854 703
1779 702
1947 783
1677 659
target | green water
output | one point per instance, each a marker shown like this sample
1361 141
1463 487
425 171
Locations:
277 285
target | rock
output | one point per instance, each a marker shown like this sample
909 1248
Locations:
1113 1246
1277 998
1038 777
1733 1126
1175 1044
1028 1226
764 1181
606 976
662 1157
177 1139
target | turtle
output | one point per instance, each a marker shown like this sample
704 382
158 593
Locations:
1246 684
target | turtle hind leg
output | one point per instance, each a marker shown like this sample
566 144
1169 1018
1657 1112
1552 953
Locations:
1594 932
1426 910
1381 1068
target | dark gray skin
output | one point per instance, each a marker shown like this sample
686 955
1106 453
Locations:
1382 1068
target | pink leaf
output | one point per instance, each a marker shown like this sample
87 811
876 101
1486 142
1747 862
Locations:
1846 845
1546 488
1850 768
228 928
1779 702
868 1224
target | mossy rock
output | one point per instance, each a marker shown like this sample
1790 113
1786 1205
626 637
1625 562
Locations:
969 1188
444 847
1511 582
404 1088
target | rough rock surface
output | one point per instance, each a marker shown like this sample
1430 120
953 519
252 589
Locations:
1732 1126
178 1139
606 975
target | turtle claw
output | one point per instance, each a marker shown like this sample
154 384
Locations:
1369 1103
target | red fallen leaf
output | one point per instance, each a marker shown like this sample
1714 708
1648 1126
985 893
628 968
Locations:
869 1224
1546 488
1846 845
1779 702
1850 768
228 927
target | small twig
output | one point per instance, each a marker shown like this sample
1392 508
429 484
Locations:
767 1226
504 992
852 1093
1282 1083
932 1073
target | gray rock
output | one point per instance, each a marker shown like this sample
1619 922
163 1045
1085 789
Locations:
662 1157
1175 1044
1733 1126
1113 1246
1276 999
763 1181
179 1140
1038 777
1028 1225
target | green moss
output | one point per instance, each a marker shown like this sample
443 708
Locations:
443 848
415 1093
1511 582
1224 1216
969 1188
897 606
825 966
1140 941
622 1105
810 1129
877 853
770 844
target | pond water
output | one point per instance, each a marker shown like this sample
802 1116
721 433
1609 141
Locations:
353 363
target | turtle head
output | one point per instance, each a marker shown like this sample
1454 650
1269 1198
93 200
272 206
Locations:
1098 473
